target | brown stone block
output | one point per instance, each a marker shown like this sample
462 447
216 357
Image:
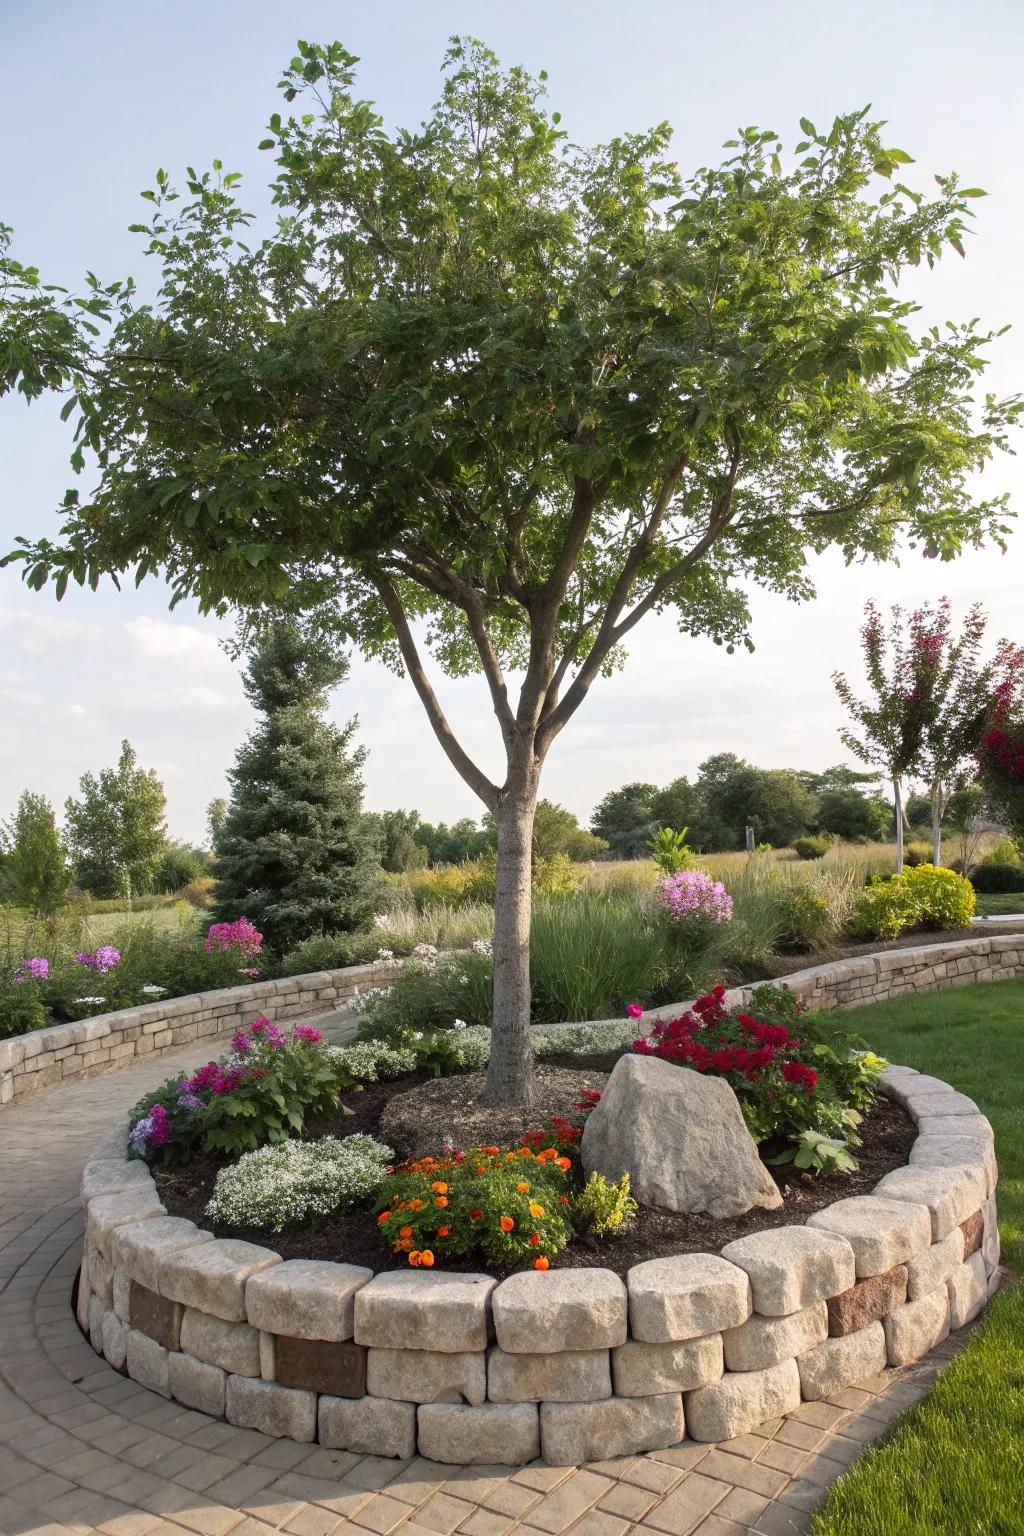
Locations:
867 1301
155 1316
973 1230
315 1365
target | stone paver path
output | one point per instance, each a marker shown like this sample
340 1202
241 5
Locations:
85 1450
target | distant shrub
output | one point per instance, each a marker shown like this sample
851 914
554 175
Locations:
882 910
811 847
1005 851
179 865
943 898
199 892
915 854
805 919
994 879
921 897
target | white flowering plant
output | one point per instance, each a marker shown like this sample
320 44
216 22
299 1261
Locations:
298 1182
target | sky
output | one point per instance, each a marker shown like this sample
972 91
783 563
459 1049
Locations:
102 94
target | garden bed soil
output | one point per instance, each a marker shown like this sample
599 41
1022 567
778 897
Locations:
352 1236
785 965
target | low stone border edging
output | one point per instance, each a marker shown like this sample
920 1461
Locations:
572 1365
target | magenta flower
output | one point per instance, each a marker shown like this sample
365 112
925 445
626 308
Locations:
36 969
241 935
692 896
634 1011
306 1033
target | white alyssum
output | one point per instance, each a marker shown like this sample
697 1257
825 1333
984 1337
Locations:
370 1061
298 1182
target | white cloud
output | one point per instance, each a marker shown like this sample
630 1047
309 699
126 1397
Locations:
159 638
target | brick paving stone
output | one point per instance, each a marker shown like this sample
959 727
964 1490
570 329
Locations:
84 1450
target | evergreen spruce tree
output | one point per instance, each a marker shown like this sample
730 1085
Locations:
295 853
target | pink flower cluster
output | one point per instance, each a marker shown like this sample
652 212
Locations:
692 896
103 960
152 1130
241 935
36 969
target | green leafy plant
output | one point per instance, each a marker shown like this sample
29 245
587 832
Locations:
811 847
670 850
995 879
604 1208
821 1154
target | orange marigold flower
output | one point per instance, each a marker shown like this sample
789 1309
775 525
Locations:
415 1205
564 1199
491 1151
475 1215
506 1223
533 1239
565 1162
535 1209
442 1231
441 1201
405 1231
542 1263
427 1259
384 1216
523 1187
415 1257
439 1187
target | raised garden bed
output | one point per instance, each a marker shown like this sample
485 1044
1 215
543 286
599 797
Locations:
350 1236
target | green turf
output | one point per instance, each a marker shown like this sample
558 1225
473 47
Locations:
955 1463
1010 903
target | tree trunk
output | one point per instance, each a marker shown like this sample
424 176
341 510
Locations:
510 1072
898 795
937 825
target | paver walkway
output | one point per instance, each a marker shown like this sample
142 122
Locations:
83 1449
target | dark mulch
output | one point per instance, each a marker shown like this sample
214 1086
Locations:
452 1105
785 965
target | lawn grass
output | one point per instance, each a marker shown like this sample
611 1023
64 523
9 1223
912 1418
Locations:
101 927
955 1463
995 904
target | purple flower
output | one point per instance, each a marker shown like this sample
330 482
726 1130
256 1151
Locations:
692 896
104 959
36 969
240 935
189 1100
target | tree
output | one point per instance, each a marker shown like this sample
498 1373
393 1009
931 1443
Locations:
556 830
37 862
855 816
930 709
395 832
626 820
116 830
678 805
734 795
490 395
295 854
1001 753
216 811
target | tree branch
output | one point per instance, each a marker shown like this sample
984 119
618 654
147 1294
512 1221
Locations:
460 760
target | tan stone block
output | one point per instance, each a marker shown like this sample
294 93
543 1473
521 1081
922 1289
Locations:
273 1410
645 1370
234 1347
494 1433
764 1341
306 1298
840 1362
567 1376
367 1426
212 1276
196 1384
542 1313
424 1309
741 1401
426 1375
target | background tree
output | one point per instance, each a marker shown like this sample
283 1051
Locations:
557 831
930 708
490 394
396 834
115 830
180 864
734 795
1001 754
215 814
625 819
295 854
464 839
36 864
678 805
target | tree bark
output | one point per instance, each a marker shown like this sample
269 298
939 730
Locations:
937 824
898 797
510 1070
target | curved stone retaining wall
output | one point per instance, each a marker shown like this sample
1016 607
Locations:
573 1365
109 1041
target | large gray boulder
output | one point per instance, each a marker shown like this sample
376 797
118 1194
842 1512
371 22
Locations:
680 1136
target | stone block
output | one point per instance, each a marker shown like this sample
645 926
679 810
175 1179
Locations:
112 1175
424 1309
990 1246
935 1266
139 1246
426 1376
945 1101
101 1277
569 1376
573 1433
950 1194
840 1362
973 1230
881 1233
506 1434
974 1126
337 1367
96 1310
306 1298
367 1426
867 1301
196 1384
211 1277
792 1267
686 1296
273 1410
952 1151
107 1212
741 1401
764 1341
121 1290
968 1291
83 1294
155 1316
912 1330
234 1347
115 1340
147 1362
541 1313
640 1369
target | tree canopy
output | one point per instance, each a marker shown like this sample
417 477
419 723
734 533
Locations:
115 830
